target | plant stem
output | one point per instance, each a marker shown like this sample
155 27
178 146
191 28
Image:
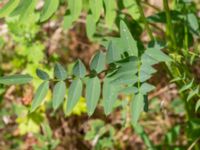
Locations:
186 41
169 29
186 37
145 20
151 5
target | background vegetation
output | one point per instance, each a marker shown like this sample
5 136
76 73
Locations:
94 65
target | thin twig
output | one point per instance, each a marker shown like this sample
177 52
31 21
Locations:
150 5
193 144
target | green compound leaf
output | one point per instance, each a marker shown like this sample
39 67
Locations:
42 74
58 94
79 69
15 79
75 91
8 8
137 105
40 94
59 72
98 62
96 8
129 42
49 9
93 90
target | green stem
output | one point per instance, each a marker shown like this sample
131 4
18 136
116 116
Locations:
144 20
186 37
169 29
